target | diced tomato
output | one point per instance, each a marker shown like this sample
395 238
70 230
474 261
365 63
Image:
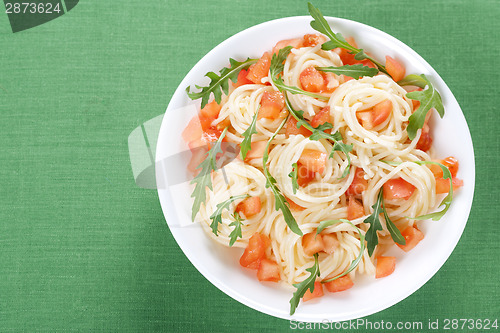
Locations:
330 242
425 141
271 104
339 284
268 270
354 209
312 243
255 251
249 207
385 266
412 237
293 205
260 69
209 135
193 130
311 80
346 57
359 183
415 103
366 62
443 185
318 292
208 114
295 43
398 188
291 128
375 116
197 156
313 39
257 149
242 79
313 160
323 116
304 176
452 164
395 69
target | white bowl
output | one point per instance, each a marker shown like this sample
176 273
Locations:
220 264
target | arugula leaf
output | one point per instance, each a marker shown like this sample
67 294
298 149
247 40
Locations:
280 201
318 133
293 174
393 230
413 80
246 145
275 69
337 40
356 261
302 287
216 217
374 221
429 98
354 71
237 228
446 201
204 178
219 83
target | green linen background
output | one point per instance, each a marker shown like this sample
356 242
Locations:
83 248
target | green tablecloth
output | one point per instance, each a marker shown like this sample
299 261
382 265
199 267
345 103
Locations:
83 248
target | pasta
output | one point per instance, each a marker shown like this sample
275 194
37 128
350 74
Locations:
371 114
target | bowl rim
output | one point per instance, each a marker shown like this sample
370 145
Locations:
165 197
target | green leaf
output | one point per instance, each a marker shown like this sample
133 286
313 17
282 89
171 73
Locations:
413 80
318 133
357 260
246 145
237 223
293 175
325 224
374 221
302 287
393 230
220 83
337 40
275 69
446 201
429 98
204 178
354 71
216 217
280 201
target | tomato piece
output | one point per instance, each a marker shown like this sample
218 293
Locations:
197 156
323 116
366 62
257 149
255 251
208 114
268 270
295 43
395 69
293 205
355 209
260 69
398 188
312 243
318 292
452 164
412 237
359 183
339 284
242 79
193 130
304 176
443 185
376 115
313 160
291 128
271 104
311 80
346 57
330 242
313 39
249 207
385 266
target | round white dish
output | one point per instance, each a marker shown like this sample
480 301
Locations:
220 264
